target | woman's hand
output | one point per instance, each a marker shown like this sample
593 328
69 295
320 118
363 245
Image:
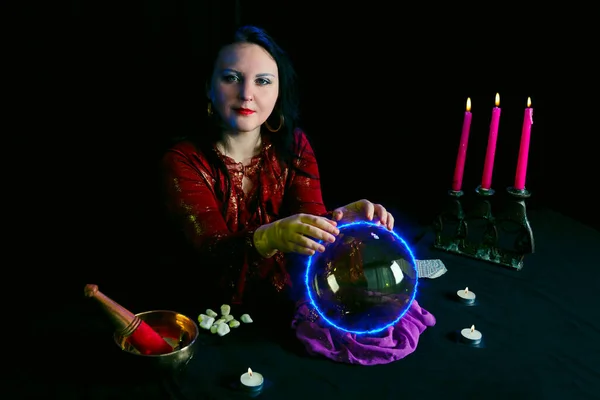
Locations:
364 210
298 233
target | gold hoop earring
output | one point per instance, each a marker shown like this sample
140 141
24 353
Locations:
209 109
281 121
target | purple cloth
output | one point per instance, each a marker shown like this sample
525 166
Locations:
392 344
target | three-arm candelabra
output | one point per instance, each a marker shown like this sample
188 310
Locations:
486 227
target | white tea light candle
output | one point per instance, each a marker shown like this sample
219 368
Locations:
252 380
466 296
471 335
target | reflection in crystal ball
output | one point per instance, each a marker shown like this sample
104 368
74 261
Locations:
365 281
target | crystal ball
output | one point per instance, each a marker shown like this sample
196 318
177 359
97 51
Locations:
365 281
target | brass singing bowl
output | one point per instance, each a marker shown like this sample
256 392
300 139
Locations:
177 329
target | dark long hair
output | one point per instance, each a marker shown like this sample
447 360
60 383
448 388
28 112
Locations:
286 107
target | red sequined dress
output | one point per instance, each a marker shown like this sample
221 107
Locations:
219 222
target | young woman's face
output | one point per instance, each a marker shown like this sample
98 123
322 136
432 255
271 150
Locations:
245 86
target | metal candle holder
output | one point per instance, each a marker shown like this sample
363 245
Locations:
473 228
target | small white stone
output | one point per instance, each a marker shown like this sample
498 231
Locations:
213 328
223 329
201 317
220 321
245 318
234 324
207 322
225 310
211 313
228 317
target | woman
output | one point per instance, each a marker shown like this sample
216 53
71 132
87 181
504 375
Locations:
246 190
247 195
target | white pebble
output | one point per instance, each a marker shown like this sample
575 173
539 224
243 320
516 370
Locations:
210 313
223 329
228 317
220 321
213 328
234 324
245 318
201 317
207 322
225 310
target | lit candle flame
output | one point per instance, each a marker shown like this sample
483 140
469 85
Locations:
472 328
528 102
497 100
466 290
250 371
468 104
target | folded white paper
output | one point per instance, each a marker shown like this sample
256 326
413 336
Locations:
430 269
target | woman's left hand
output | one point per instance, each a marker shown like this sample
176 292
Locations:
364 209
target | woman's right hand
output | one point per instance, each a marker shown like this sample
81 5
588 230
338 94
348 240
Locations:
299 233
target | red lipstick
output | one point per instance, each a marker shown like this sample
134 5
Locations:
244 111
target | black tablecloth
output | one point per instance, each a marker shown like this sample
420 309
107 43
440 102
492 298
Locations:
541 328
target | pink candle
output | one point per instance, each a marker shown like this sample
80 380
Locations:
486 181
524 149
462 149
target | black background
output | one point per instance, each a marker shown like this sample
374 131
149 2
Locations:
97 89
94 91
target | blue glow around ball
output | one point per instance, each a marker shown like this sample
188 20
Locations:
365 281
